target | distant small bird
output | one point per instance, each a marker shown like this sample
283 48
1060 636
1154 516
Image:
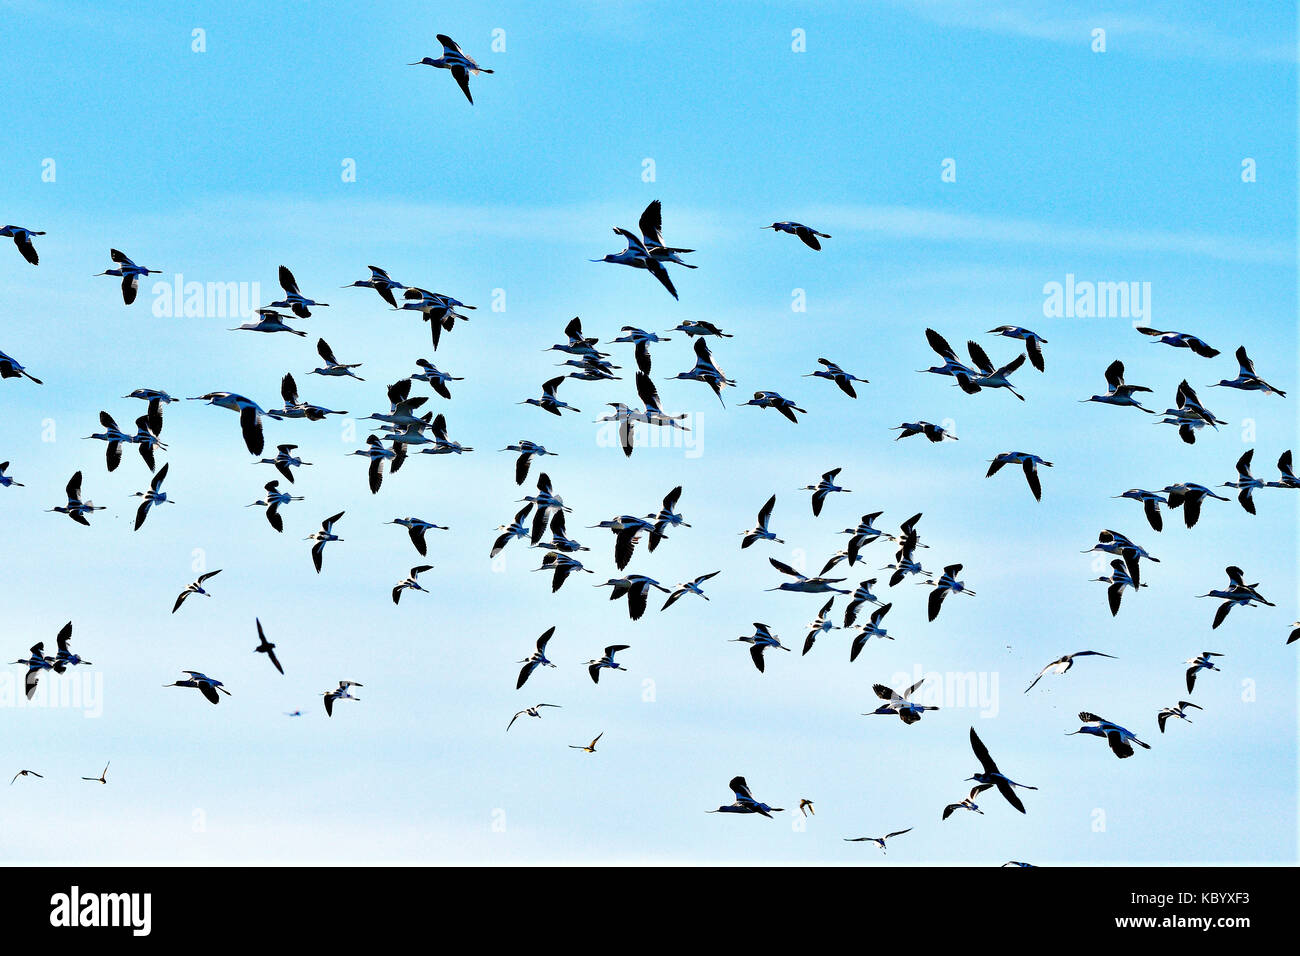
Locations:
23 240
194 587
745 802
30 773
1178 712
207 686
806 234
103 777
595 666
411 582
1121 739
455 60
589 748
7 481
342 692
1030 465
1201 662
878 841
266 647
533 711
1063 664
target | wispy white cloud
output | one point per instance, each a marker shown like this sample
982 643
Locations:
1073 24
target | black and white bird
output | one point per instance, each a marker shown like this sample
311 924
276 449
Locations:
1026 461
869 630
1063 664
382 283
417 527
745 802
1119 579
1286 477
861 595
1117 392
323 537
294 300
769 399
667 517
1237 594
945 584
804 584
1151 502
562 565
1188 496
7 481
935 433
901 704
823 488
1247 380
536 659
760 641
760 530
275 499
990 773
986 374
636 588
410 583
1121 739
23 240
824 624
706 370
129 273
114 437
1179 340
10 367
1113 542
1180 712
342 692
250 416
549 402
533 711
509 532
1201 662
651 226
527 450
807 234
1033 342
462 67
36 664
832 372
1245 483
207 686
688 587
638 256
596 665
878 841
194 587
969 803
76 508
154 496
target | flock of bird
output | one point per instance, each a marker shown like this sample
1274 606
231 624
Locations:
403 428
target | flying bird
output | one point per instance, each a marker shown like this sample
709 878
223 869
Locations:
1030 465
744 801
207 686
1121 739
454 59
533 711
410 583
1201 662
23 240
342 692
266 647
536 659
807 235
194 587
1063 664
322 537
991 775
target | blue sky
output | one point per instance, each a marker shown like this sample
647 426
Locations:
221 165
